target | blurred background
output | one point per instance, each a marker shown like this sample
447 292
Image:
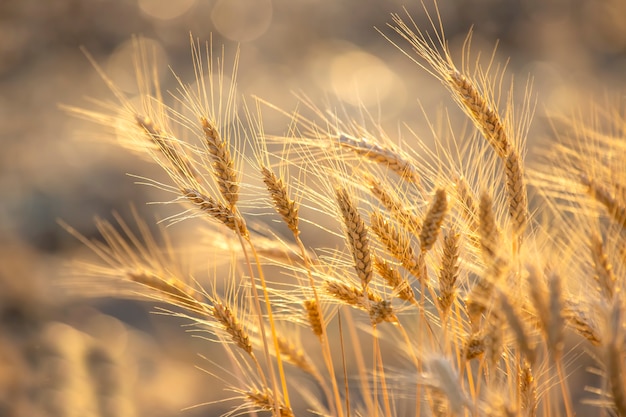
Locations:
114 358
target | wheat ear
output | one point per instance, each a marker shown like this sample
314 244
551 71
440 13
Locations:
407 219
284 206
217 210
386 156
398 245
266 403
394 279
434 219
604 270
223 164
516 192
357 235
449 271
616 208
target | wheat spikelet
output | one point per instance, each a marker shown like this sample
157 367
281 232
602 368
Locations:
314 317
578 318
527 391
448 271
397 244
284 206
392 277
516 192
615 208
223 164
434 219
265 402
474 346
513 317
381 311
217 211
604 270
488 229
481 112
386 156
177 159
357 235
409 221
232 325
351 295
296 357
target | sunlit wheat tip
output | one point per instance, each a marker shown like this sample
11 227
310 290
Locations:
434 219
223 164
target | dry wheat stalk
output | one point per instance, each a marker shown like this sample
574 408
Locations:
223 164
217 210
284 206
448 271
357 235
434 219
488 230
394 279
516 192
398 245
386 156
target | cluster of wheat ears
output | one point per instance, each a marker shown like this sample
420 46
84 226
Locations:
448 296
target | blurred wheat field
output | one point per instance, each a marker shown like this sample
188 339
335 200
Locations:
329 252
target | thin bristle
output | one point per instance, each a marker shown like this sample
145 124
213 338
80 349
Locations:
434 219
